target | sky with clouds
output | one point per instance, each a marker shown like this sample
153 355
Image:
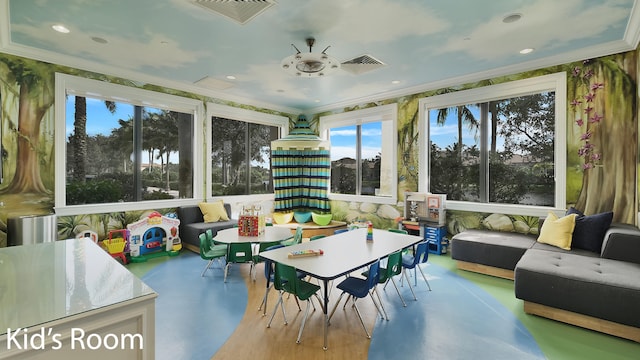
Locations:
419 41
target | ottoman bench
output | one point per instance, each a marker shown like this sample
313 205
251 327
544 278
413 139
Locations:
592 292
490 252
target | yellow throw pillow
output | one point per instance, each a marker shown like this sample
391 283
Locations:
213 211
558 232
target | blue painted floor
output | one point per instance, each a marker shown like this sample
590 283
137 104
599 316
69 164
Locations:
454 321
190 308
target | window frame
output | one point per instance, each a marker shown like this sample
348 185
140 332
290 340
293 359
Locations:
553 82
79 86
358 117
238 114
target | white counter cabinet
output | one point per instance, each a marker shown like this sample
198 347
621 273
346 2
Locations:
71 300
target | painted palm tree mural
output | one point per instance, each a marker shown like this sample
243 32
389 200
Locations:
32 83
408 149
602 140
602 115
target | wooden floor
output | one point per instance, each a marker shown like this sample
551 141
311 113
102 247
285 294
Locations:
252 339
466 316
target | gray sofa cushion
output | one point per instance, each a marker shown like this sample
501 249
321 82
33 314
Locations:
492 248
547 247
602 288
192 224
622 242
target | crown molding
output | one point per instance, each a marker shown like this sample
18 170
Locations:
629 42
632 33
565 58
8 47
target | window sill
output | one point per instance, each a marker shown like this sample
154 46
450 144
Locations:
390 200
507 209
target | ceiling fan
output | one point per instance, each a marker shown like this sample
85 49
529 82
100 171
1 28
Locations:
310 64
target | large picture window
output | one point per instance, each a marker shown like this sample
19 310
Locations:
240 156
363 153
122 145
499 145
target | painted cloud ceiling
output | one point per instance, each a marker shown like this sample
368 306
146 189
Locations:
423 44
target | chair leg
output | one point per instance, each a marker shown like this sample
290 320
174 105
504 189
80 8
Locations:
385 316
409 283
304 320
297 303
398 291
226 271
424 277
207 267
360 317
312 304
264 301
336 305
356 308
319 302
252 271
284 315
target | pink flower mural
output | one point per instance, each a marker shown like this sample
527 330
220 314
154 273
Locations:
587 123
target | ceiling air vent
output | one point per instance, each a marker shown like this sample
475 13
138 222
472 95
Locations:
213 84
362 64
240 11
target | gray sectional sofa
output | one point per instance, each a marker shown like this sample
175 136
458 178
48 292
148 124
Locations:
598 291
192 225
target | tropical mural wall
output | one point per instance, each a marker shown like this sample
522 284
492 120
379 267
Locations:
27 132
602 146
602 140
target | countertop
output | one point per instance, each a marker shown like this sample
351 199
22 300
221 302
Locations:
44 282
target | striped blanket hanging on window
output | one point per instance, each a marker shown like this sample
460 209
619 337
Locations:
301 179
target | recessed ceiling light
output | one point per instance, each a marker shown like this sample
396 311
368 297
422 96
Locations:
526 51
511 18
316 101
231 77
395 82
60 28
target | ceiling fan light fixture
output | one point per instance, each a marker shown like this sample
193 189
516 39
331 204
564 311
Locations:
310 64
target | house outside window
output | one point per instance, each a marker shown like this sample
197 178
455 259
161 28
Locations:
240 157
122 146
240 151
363 153
497 148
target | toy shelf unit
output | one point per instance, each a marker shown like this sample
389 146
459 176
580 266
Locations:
425 208
426 213
436 239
